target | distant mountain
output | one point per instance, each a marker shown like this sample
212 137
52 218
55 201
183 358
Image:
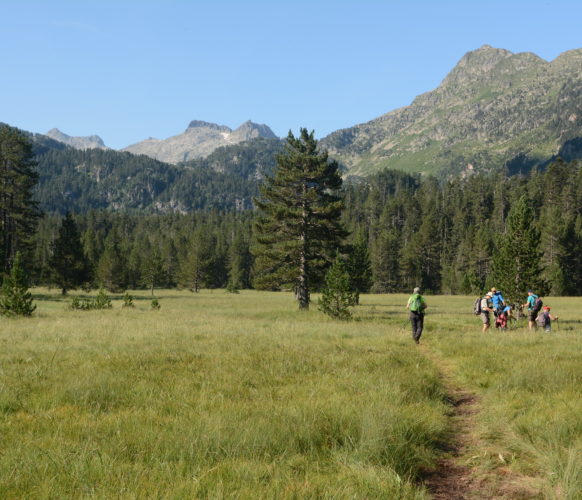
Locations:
199 140
494 108
90 142
81 180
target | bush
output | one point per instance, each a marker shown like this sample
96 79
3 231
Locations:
156 305
127 300
337 295
16 300
101 301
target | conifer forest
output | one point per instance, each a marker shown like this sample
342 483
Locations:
447 236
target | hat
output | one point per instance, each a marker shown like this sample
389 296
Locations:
416 290
547 307
530 291
489 294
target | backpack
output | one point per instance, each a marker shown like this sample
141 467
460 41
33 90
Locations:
541 320
538 303
416 304
477 306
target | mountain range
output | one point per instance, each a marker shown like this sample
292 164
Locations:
494 110
199 140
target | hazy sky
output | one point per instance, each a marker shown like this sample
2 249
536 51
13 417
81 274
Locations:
128 70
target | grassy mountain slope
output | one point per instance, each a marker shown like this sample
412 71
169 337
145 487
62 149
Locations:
492 107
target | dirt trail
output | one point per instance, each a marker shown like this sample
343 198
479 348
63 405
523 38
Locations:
453 478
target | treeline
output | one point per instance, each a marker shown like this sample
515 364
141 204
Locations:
419 232
458 236
122 251
444 237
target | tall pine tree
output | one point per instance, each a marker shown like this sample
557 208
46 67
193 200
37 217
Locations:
69 265
18 210
298 229
517 265
359 268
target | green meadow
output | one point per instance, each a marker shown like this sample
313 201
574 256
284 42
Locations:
220 395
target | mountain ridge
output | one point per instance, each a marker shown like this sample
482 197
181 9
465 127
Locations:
199 140
492 106
87 142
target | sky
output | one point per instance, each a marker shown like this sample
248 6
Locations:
127 70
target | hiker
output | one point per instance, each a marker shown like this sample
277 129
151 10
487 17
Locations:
544 319
534 305
508 310
502 317
498 301
485 310
416 305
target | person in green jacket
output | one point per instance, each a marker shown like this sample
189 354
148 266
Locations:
416 305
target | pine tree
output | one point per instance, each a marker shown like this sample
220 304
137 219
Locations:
386 262
195 267
337 295
570 260
15 299
111 268
298 228
238 263
517 265
69 265
359 268
18 210
153 272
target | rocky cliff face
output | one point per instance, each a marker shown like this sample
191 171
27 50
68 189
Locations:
198 141
492 107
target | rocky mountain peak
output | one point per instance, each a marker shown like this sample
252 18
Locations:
250 130
491 108
208 125
87 142
199 140
475 64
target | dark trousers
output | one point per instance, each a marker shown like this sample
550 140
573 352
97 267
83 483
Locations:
417 322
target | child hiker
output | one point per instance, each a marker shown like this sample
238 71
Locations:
544 319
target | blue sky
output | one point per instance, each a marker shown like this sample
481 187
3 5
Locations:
128 70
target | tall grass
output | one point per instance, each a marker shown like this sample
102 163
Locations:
531 388
242 396
214 395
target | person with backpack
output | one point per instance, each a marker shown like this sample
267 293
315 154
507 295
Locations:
498 302
416 305
485 309
534 306
544 319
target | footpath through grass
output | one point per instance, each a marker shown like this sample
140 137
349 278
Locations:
242 396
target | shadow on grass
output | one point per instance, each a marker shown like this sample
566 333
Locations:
113 296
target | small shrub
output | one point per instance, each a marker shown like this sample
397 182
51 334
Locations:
102 301
337 295
15 299
127 300
156 305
